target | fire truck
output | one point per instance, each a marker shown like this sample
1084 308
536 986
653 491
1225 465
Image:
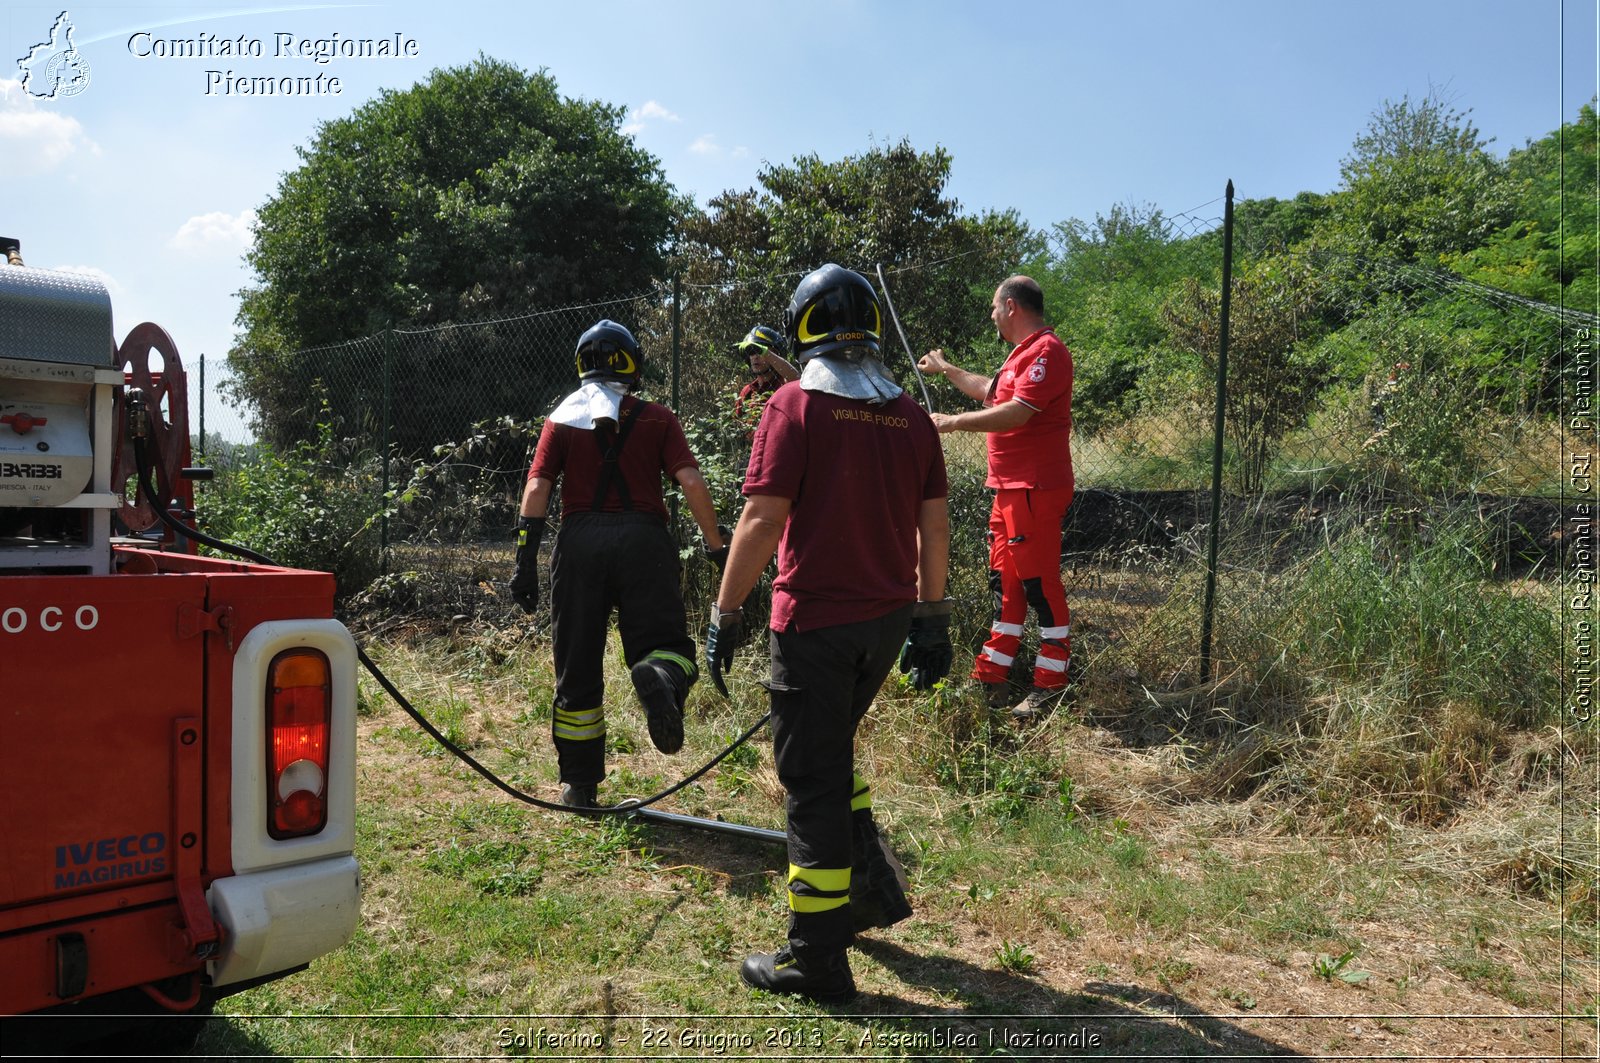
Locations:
177 731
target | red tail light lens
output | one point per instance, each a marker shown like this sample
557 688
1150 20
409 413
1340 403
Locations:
299 720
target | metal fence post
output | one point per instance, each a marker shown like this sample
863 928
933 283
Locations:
202 409
383 456
1216 446
677 340
677 362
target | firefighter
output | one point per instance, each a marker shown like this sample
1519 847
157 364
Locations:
847 482
763 348
609 449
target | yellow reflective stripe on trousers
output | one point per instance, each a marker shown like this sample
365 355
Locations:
861 795
580 726
685 665
818 889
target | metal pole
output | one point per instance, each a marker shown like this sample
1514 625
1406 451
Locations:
1216 446
927 403
202 409
717 826
677 339
383 456
677 354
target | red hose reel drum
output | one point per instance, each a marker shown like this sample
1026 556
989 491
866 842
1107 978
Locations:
167 398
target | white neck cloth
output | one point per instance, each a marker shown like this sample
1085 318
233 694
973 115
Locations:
594 402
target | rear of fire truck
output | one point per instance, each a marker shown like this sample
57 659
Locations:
177 732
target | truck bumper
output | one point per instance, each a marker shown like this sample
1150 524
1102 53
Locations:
280 918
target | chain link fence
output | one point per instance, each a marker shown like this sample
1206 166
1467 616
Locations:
1370 408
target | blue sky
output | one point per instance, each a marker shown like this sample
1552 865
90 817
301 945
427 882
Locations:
1057 109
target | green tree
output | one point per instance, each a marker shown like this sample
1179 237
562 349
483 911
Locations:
741 258
1273 379
476 193
1268 226
1549 251
1418 185
1105 284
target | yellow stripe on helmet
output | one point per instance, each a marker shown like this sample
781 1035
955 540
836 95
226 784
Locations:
803 331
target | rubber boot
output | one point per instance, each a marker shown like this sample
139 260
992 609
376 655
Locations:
826 980
878 882
580 795
662 688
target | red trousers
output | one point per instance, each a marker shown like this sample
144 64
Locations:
1025 570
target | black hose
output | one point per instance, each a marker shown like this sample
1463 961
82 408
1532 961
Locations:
142 461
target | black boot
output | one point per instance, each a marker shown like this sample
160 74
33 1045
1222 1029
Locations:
825 980
662 688
877 880
580 795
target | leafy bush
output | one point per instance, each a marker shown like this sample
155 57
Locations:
1274 373
1425 424
313 508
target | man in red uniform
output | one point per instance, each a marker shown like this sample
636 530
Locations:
847 482
1027 420
610 451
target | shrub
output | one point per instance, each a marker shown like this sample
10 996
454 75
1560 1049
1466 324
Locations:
312 507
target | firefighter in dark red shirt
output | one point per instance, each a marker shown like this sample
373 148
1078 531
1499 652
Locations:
764 349
610 450
847 483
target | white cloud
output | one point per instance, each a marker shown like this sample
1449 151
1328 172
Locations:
706 144
651 111
33 139
216 231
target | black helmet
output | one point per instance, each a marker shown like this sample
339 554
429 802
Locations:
609 352
833 309
759 339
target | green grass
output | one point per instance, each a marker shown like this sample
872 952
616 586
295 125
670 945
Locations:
1039 866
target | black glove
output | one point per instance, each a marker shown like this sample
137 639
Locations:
725 635
927 654
525 583
720 557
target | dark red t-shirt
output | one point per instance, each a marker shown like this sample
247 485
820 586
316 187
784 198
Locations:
1039 454
752 397
655 448
857 475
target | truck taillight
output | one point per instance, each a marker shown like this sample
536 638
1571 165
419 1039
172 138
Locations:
299 717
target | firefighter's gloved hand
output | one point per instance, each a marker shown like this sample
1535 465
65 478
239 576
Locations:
525 583
720 557
927 655
725 635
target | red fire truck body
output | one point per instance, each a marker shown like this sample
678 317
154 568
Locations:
177 732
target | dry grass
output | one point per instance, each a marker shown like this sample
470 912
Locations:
1165 863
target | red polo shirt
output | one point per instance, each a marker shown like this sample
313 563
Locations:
1038 373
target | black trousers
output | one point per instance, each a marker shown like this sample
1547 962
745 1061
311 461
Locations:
605 562
822 684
